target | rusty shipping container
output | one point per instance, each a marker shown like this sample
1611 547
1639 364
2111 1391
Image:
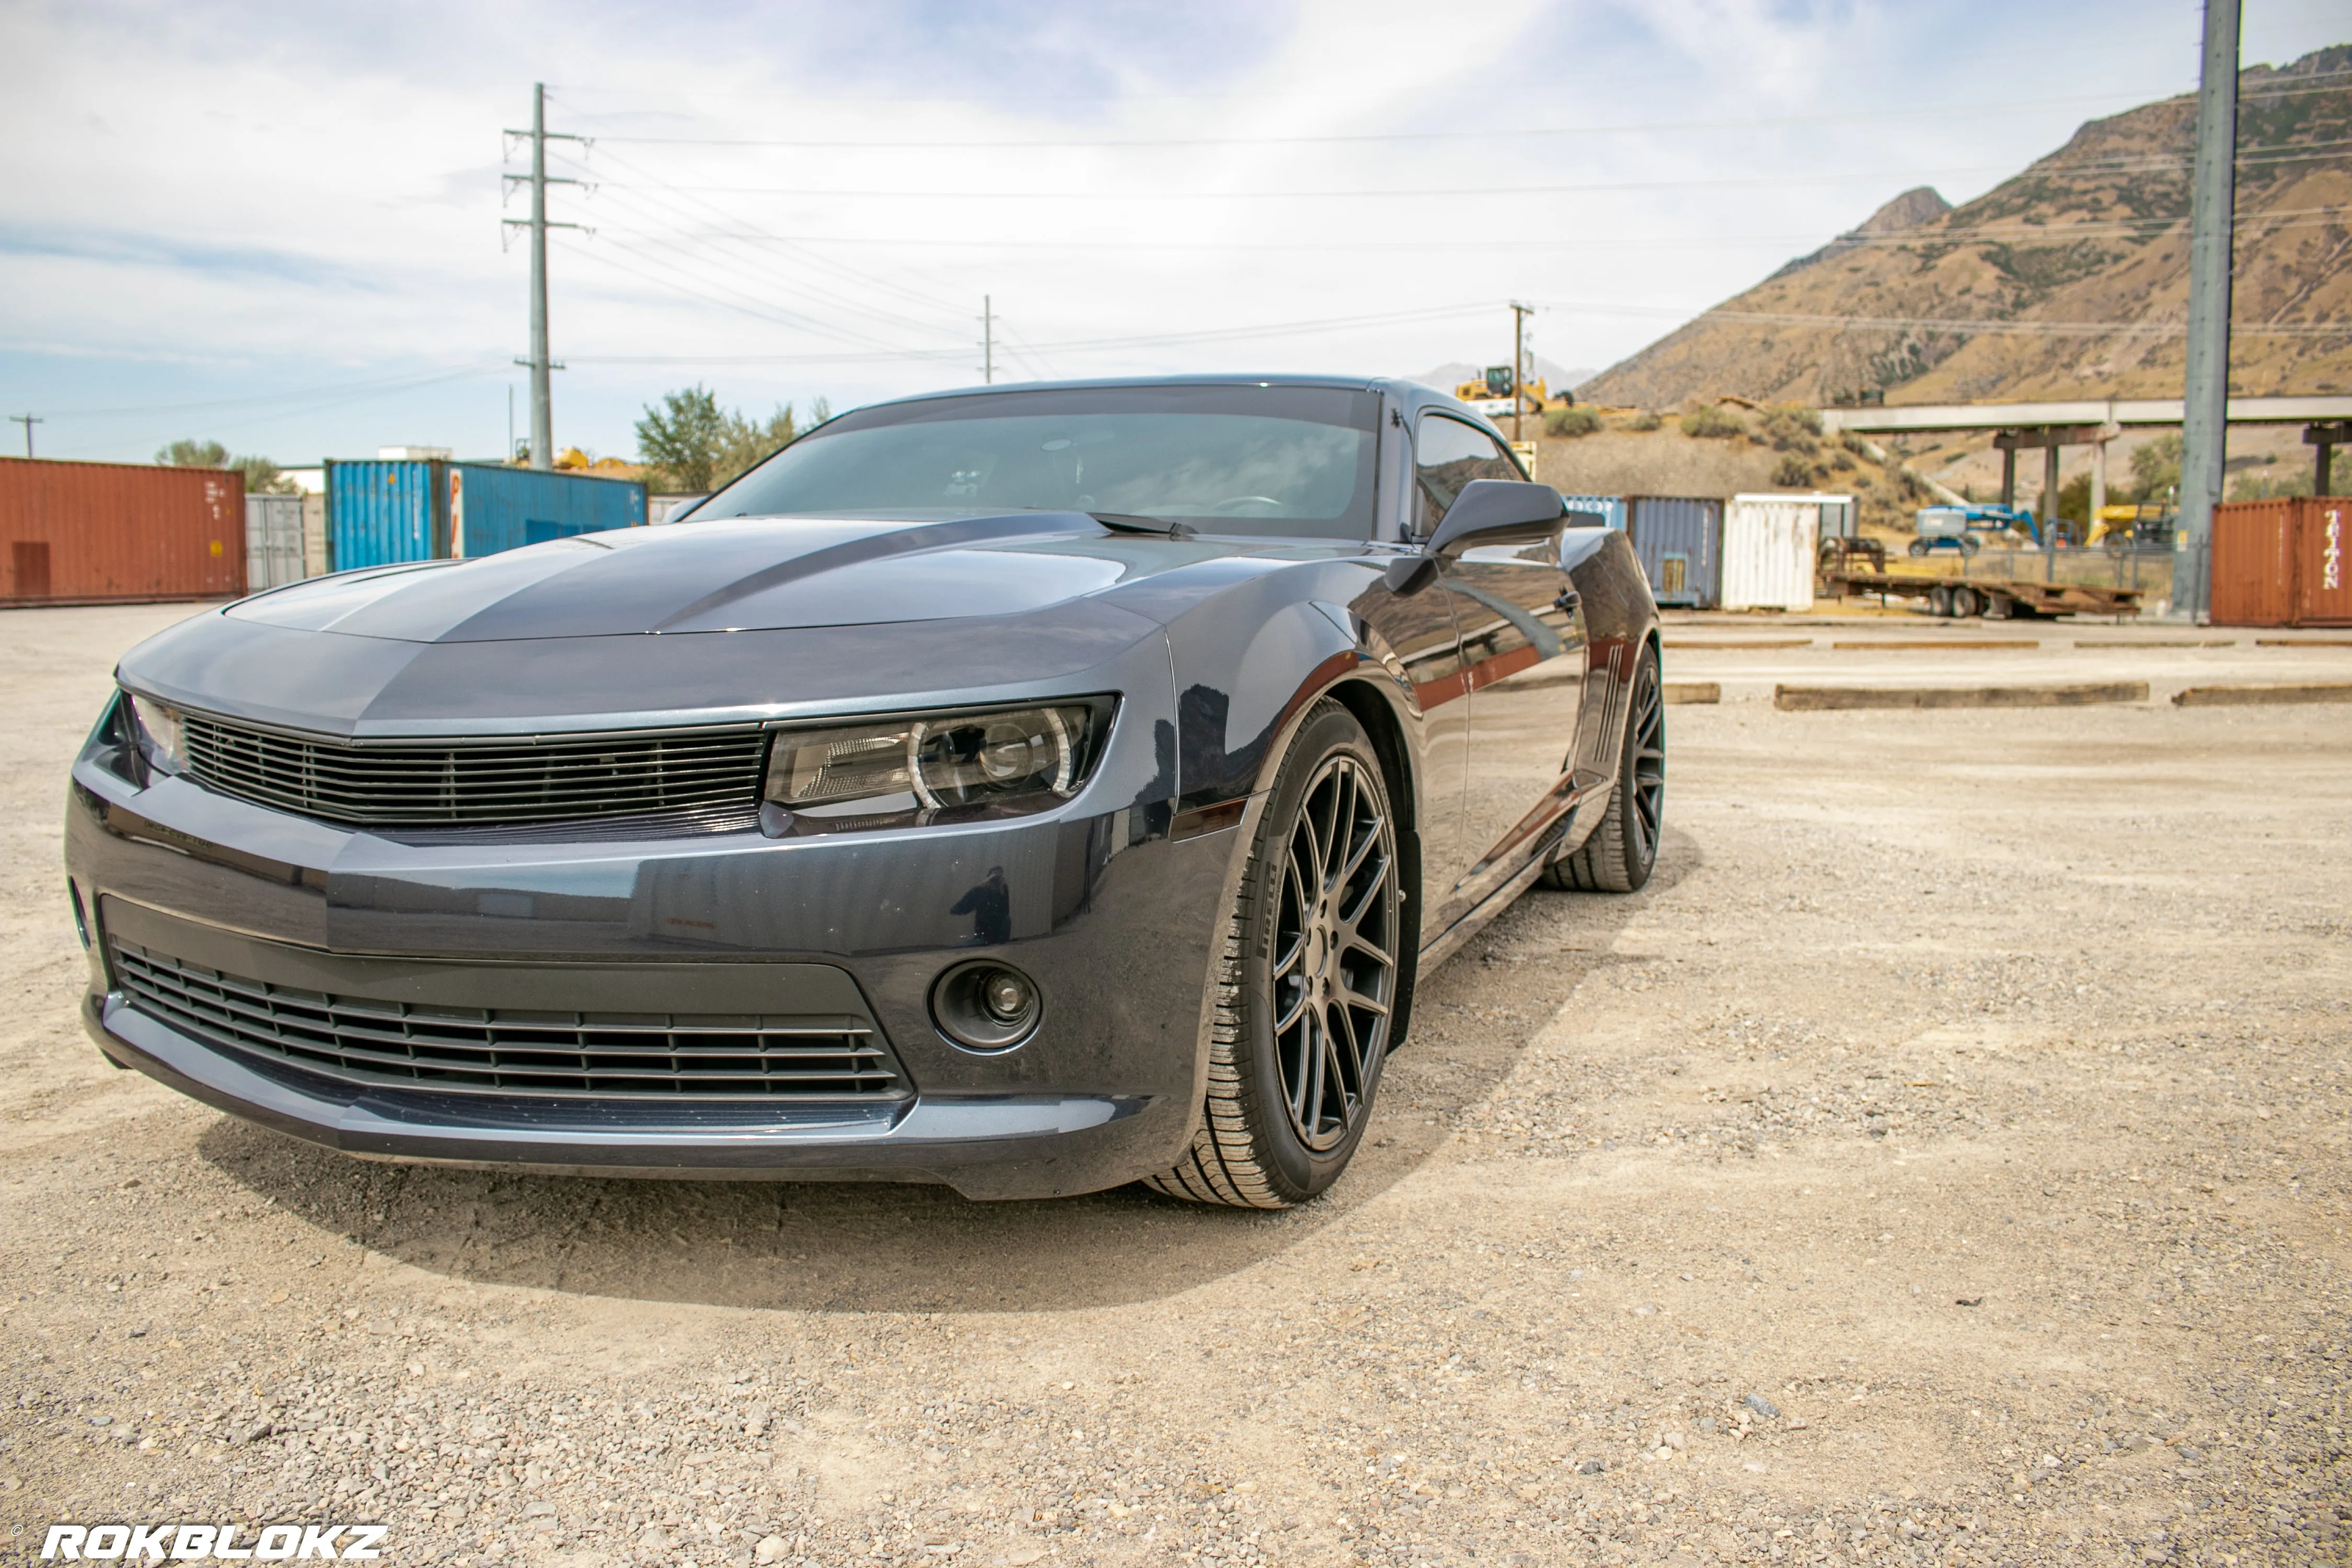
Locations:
2282 563
87 533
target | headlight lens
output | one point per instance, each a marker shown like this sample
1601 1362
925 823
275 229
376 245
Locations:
957 767
157 728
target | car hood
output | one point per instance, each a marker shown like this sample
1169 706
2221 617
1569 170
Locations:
703 621
740 574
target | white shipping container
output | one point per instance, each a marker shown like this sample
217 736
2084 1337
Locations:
1769 547
273 541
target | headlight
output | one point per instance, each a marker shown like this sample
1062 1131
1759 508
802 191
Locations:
932 767
157 730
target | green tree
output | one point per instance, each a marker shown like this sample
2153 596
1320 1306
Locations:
193 455
744 442
2156 468
681 438
262 477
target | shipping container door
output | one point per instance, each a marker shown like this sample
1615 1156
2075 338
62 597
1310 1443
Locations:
2254 558
382 513
273 541
1678 540
1770 545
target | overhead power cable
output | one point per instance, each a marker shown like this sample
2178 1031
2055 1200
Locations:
1366 138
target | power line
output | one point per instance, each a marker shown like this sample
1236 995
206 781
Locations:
1977 106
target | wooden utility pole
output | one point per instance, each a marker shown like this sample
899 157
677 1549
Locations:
1519 314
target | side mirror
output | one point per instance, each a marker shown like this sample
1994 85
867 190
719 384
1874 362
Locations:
1487 511
1498 511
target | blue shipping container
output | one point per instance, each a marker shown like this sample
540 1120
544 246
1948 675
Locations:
1610 508
1680 542
381 514
493 509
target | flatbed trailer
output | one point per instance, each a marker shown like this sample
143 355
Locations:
1995 598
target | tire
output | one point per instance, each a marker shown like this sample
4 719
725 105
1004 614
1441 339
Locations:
1970 544
1919 547
1310 970
1939 600
1623 851
1965 601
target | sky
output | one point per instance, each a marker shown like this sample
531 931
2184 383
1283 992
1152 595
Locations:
282 226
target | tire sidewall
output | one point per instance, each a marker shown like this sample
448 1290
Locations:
1300 1172
1645 673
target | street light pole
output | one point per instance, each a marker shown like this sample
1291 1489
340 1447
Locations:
27 421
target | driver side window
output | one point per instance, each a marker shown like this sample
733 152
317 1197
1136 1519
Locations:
1447 455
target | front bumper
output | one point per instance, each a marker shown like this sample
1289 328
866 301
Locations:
1112 913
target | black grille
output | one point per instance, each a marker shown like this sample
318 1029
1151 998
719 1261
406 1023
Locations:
429 784
604 1056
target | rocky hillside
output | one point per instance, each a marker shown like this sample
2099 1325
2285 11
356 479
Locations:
1927 303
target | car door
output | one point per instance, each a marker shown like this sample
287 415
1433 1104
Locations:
1523 652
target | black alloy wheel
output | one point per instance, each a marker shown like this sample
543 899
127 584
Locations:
1622 851
1334 966
1311 965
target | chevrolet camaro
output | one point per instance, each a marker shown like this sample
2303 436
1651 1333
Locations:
1032 789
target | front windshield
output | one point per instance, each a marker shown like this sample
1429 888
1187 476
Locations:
1280 460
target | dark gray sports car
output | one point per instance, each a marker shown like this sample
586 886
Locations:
1032 789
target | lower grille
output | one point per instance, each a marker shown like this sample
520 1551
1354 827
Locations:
604 1055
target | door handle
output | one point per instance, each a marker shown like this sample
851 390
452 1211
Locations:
1568 601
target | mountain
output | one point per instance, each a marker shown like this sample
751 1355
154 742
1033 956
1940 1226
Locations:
2070 280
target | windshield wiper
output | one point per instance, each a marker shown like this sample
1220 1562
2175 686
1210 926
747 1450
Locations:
1126 522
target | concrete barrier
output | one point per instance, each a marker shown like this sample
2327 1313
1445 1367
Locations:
1819 699
2262 696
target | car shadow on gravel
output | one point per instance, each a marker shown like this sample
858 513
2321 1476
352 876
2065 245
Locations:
856 1246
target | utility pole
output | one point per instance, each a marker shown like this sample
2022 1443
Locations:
2205 413
542 410
29 420
1519 314
987 341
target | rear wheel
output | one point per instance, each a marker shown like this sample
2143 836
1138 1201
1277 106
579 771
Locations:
1919 547
1964 601
1624 849
1939 600
1309 976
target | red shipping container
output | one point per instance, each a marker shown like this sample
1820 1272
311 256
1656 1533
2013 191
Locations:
2282 563
82 533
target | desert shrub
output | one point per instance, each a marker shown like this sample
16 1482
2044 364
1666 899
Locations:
1645 420
1795 473
1841 463
1788 427
1854 443
1570 422
1712 424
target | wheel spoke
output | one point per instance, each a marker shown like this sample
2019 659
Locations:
1318 1042
1290 1014
1364 999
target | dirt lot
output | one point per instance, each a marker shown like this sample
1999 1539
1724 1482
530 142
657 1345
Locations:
1943 1161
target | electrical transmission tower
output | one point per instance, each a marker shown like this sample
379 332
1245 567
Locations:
543 411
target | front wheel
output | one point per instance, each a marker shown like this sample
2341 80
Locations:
1624 849
1310 978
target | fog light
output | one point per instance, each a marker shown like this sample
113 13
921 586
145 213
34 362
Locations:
984 1006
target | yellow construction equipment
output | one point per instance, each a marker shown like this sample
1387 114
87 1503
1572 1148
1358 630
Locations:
1491 396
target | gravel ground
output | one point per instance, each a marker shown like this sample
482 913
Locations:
1943 1161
